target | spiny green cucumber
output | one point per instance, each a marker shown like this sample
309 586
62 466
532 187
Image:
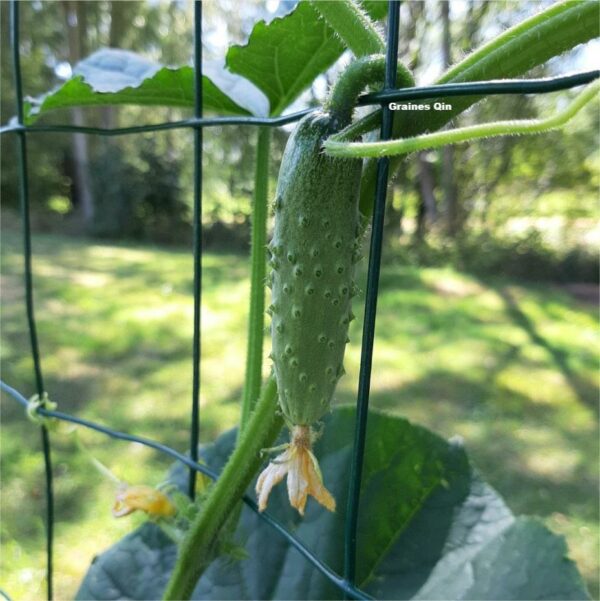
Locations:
316 242
315 245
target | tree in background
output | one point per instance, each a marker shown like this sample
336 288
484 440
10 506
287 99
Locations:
447 176
38 60
76 26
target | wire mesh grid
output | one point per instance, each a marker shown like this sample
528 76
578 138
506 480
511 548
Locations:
346 582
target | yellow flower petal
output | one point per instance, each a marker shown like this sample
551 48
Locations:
145 498
271 475
316 488
296 482
303 474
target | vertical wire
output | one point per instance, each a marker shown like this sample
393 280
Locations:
195 420
368 334
28 279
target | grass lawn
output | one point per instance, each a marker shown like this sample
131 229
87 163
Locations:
511 368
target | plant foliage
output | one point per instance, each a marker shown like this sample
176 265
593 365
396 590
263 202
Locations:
430 528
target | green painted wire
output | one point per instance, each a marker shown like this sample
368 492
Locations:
197 244
35 353
370 311
337 580
479 88
493 87
138 129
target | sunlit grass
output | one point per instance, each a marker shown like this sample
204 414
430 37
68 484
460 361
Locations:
510 368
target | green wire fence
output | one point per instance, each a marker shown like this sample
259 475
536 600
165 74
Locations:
345 582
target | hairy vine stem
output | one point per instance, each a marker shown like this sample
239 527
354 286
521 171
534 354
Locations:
352 24
335 145
258 260
354 79
200 544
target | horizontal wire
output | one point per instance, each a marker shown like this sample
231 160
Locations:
495 87
16 395
478 88
138 129
332 576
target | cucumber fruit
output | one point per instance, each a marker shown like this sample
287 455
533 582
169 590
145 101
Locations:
315 244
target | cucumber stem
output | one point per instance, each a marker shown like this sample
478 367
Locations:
352 24
354 79
200 545
256 318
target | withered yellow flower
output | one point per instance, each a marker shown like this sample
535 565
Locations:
303 474
145 498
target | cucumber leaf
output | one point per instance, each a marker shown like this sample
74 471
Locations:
111 76
284 57
281 59
429 528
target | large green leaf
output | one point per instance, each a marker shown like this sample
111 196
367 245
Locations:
429 528
284 57
111 76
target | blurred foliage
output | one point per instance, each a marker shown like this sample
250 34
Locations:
141 185
524 257
143 189
139 196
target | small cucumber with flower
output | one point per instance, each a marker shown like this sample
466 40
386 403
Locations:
316 243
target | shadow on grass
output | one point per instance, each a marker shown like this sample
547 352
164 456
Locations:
586 392
496 435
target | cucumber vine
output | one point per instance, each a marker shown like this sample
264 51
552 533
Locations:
561 27
336 146
352 25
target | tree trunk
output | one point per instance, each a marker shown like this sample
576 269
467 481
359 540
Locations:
427 213
120 12
448 186
83 188
84 200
